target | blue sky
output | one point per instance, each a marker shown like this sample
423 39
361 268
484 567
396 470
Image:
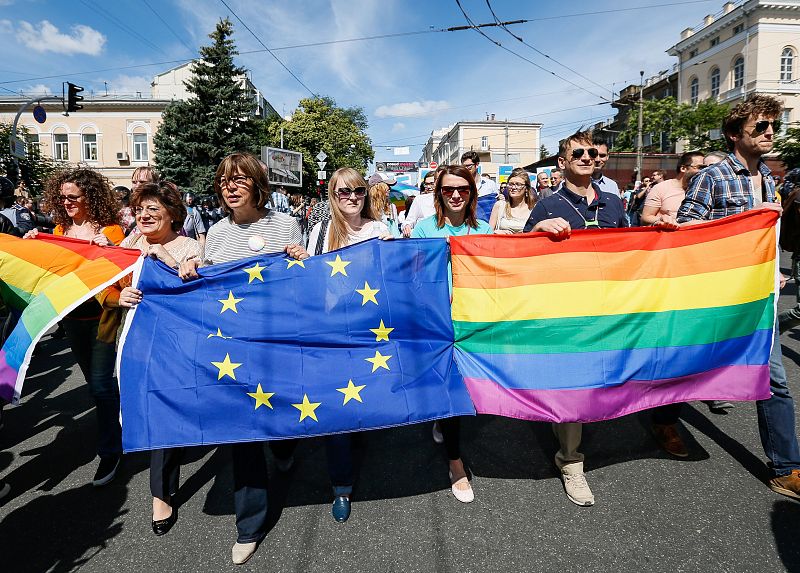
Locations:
407 85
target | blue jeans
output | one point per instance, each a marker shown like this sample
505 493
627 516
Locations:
96 361
776 418
339 451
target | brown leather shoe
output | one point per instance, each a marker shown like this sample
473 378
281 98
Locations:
788 485
670 441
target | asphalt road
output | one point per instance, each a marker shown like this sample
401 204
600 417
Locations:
711 512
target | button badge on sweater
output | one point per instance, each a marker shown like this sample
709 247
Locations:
256 243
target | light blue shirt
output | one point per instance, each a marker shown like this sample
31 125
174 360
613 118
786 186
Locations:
427 228
607 185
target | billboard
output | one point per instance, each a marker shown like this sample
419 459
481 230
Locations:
396 166
284 167
504 172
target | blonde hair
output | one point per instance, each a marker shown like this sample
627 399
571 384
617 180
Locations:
528 197
379 199
337 231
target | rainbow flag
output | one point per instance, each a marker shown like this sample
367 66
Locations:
609 322
46 278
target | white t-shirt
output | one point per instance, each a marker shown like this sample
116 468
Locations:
421 208
369 231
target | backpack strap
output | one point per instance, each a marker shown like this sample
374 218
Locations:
321 238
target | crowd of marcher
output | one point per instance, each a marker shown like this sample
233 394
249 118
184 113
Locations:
247 217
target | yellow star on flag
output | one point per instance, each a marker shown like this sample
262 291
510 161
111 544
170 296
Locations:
219 335
381 333
230 303
255 273
261 397
351 392
367 293
338 266
293 262
226 367
379 361
307 408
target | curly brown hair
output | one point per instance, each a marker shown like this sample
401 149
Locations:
102 205
754 106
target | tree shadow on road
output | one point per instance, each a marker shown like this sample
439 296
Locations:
784 517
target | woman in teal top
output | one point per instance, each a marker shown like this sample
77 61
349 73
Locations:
455 198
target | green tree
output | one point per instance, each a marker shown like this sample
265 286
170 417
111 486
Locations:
788 147
680 121
318 124
35 169
543 153
216 120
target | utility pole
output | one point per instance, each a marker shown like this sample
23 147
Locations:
639 134
505 160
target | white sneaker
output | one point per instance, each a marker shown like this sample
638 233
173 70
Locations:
437 433
241 552
575 484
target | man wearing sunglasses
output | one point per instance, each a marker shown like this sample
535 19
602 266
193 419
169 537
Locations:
738 183
580 204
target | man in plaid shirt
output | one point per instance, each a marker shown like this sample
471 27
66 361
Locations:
738 183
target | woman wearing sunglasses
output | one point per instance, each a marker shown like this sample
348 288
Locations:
251 227
455 198
84 207
352 221
509 217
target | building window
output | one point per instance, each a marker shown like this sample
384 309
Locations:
738 72
787 64
61 146
785 116
32 139
694 91
484 143
692 53
714 82
89 146
738 29
140 147
513 158
714 41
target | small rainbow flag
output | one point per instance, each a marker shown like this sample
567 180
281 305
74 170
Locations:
46 278
609 322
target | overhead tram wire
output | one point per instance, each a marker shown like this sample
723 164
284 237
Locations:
170 28
277 59
520 56
120 24
538 51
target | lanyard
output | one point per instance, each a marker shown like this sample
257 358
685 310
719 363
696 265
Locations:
594 223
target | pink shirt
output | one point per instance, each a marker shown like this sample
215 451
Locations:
666 196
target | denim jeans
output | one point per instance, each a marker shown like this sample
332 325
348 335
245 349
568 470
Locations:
776 418
339 451
96 361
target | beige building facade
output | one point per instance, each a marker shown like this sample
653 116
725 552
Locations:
497 142
749 46
111 134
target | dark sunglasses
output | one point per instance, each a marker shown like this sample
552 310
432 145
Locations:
345 192
577 153
448 191
761 126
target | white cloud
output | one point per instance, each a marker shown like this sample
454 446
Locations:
412 108
6 2
47 38
6 27
398 127
129 85
38 89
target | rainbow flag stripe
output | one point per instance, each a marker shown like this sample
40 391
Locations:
46 278
609 322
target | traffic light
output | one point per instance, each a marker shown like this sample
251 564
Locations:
73 98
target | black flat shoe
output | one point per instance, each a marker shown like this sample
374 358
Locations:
162 526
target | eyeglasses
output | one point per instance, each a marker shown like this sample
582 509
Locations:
469 165
345 192
71 198
577 153
449 191
515 185
761 126
238 180
426 184
151 210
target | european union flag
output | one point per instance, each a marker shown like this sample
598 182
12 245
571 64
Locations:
270 347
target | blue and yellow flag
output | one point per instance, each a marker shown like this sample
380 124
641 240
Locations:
270 347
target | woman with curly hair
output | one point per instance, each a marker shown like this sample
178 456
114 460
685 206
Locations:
85 207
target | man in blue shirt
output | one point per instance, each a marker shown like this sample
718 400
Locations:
605 184
738 183
580 204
